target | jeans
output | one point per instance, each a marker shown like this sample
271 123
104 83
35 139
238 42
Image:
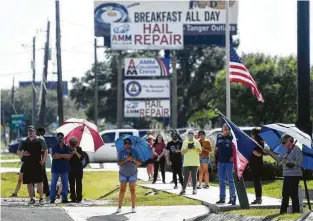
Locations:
193 170
226 169
76 192
290 189
160 164
54 180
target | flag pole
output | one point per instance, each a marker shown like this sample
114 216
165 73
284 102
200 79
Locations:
227 45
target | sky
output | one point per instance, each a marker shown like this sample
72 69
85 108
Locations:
267 26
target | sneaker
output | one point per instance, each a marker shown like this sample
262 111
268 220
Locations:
13 195
78 201
41 202
119 210
175 187
133 210
257 201
31 202
206 186
199 187
194 192
153 182
64 201
172 181
52 201
183 192
220 202
164 181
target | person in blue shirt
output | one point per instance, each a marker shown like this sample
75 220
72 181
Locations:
128 160
60 168
224 164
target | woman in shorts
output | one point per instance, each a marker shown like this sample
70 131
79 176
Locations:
128 160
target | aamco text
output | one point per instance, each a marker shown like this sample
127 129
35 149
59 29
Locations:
157 34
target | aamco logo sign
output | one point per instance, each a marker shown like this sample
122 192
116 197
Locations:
147 36
147 88
150 108
146 67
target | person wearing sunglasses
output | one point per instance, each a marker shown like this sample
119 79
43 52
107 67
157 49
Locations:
128 160
292 160
224 164
191 149
61 154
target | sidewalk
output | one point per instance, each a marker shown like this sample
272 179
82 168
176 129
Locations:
208 197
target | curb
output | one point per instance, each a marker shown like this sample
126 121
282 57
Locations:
304 216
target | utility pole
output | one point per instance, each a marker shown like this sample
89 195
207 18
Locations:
34 76
44 79
96 104
227 45
174 91
12 108
59 62
120 102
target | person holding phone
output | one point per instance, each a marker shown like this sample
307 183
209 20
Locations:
128 160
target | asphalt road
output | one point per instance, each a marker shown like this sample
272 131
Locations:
33 214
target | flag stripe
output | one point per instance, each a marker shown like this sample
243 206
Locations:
240 74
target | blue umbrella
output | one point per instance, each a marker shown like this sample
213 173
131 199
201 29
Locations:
139 145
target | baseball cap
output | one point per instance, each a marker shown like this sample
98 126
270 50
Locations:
30 128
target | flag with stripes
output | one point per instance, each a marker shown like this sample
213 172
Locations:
240 74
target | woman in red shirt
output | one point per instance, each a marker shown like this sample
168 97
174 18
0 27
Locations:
158 151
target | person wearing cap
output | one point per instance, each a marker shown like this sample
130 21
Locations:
204 159
128 160
61 154
30 149
46 189
174 158
292 160
256 165
191 149
224 163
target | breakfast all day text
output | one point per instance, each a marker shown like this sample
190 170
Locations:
177 16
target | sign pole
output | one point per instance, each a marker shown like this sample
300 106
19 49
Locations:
120 89
174 91
227 44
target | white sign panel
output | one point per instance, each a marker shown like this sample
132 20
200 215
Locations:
147 88
146 67
147 36
196 17
149 108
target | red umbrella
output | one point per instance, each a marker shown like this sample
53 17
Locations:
86 133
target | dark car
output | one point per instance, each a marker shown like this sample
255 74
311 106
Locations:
50 141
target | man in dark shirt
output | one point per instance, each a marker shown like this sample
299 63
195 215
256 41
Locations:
31 150
76 171
60 168
174 158
224 163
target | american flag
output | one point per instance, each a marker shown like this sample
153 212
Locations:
240 74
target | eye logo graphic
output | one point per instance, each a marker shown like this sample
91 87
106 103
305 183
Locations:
121 29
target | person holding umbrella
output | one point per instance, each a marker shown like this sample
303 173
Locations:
128 160
291 158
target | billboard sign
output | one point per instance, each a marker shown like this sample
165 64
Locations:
146 67
147 88
148 108
195 17
17 121
146 36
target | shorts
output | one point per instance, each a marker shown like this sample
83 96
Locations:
32 173
204 160
129 179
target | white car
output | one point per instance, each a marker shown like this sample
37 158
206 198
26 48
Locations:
107 152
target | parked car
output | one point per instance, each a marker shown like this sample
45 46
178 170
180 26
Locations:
107 152
50 141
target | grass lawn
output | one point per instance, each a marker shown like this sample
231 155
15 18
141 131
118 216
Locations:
11 164
268 213
270 188
9 157
104 186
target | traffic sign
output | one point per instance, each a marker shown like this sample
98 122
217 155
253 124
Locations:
17 121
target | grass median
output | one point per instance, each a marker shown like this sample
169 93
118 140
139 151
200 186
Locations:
105 186
268 214
9 157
